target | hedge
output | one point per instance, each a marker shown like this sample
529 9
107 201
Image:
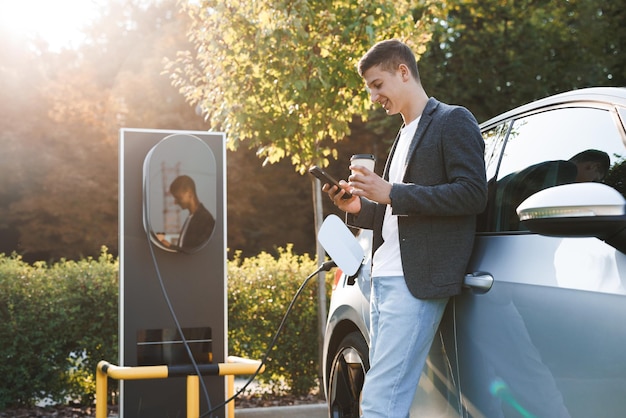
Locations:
57 321
260 290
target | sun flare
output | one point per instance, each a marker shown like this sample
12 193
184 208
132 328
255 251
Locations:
58 22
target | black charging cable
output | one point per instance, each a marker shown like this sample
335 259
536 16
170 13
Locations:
326 266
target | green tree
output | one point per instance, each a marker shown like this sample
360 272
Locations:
58 176
494 55
60 111
280 75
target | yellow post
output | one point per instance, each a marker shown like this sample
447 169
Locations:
193 396
230 391
101 391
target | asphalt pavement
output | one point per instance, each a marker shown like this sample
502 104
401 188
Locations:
297 411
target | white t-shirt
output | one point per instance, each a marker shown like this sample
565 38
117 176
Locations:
387 260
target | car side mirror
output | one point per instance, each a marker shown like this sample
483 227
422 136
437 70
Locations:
577 210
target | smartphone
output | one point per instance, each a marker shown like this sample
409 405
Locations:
324 177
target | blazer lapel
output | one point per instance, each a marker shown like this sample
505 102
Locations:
425 119
422 127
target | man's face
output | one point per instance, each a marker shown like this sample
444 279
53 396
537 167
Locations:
387 88
183 198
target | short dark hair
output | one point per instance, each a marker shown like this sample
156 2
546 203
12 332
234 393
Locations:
183 183
593 155
389 54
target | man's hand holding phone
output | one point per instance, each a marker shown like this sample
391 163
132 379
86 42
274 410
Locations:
337 190
326 178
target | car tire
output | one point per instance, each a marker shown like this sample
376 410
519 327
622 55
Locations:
347 374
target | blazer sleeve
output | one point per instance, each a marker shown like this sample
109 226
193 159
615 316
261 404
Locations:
365 218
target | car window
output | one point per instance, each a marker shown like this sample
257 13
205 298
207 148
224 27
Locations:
494 141
551 148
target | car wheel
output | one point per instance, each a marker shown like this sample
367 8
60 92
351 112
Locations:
347 374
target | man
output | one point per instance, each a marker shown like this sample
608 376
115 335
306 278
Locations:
199 224
423 214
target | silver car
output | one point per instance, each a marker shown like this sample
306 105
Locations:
540 328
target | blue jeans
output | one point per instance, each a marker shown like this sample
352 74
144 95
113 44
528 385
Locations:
402 329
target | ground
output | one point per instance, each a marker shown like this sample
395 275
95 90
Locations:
84 412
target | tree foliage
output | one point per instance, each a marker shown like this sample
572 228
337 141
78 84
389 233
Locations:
281 74
61 113
280 77
493 55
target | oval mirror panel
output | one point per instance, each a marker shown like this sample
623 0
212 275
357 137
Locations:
179 186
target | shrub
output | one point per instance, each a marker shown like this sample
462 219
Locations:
55 324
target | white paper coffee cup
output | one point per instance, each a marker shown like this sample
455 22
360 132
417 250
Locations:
366 160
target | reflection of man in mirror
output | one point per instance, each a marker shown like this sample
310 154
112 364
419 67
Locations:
199 224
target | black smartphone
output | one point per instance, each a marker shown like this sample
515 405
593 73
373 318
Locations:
324 177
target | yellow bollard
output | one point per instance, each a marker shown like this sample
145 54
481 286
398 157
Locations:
193 396
101 391
235 366
230 391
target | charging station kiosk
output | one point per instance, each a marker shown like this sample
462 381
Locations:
173 302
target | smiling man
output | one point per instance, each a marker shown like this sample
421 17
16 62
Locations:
423 213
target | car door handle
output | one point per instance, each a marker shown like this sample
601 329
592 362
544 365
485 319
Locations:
479 282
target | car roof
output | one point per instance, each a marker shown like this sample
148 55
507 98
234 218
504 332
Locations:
605 95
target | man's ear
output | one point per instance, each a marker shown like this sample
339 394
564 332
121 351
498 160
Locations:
405 73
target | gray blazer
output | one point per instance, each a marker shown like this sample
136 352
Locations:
444 188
